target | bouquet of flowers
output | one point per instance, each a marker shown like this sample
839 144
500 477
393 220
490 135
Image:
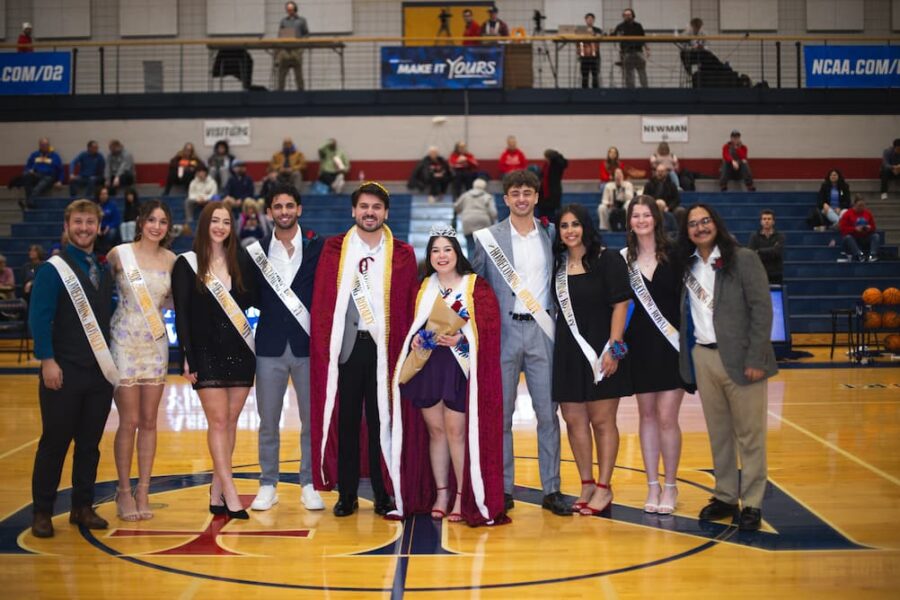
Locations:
443 320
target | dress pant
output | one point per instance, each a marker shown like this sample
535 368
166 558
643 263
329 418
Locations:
526 348
289 60
272 374
358 388
77 411
590 68
631 62
736 419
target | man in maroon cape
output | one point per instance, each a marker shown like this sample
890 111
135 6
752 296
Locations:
365 293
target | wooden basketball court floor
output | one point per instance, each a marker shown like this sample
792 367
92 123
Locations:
830 516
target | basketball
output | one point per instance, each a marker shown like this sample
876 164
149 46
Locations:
872 320
890 319
891 296
872 296
892 342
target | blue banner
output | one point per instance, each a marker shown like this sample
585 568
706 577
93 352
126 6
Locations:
441 67
852 66
26 73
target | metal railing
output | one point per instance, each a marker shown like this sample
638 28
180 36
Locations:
353 63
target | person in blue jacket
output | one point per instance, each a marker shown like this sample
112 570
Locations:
87 171
43 171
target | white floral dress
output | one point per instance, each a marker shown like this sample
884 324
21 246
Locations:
140 359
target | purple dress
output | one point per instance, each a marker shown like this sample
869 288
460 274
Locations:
440 379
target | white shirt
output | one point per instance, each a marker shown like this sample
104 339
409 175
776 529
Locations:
531 264
704 330
374 276
286 266
202 189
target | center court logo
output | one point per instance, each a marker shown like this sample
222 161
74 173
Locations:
296 549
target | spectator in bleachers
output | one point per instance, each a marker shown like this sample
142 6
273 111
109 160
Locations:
7 281
289 164
130 215
633 54
221 163
87 171
36 257
201 190
431 175
670 223
661 187
120 171
609 166
614 202
494 27
43 170
834 199
664 156
109 223
589 55
475 209
768 243
182 168
471 30
333 166
464 167
890 167
735 164
25 43
512 159
287 59
251 228
692 52
857 226
555 164
239 187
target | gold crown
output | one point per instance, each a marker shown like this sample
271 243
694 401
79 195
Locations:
376 184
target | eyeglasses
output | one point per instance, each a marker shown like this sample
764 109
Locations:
695 224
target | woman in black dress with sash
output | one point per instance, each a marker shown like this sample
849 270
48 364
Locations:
596 283
218 360
653 340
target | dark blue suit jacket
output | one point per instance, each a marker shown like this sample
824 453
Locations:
276 324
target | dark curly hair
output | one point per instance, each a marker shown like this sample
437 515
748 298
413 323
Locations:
590 237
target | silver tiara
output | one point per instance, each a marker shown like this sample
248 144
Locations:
442 231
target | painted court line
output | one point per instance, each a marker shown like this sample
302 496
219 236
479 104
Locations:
838 449
16 449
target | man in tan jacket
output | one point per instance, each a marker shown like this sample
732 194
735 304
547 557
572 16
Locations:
289 164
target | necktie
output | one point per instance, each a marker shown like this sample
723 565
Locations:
93 272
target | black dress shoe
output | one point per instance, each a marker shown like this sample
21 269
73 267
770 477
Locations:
216 509
86 517
508 502
557 504
384 505
751 519
42 525
716 510
345 506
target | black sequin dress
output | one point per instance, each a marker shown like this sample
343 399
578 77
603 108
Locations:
213 347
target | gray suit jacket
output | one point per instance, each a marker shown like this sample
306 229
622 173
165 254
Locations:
351 328
742 319
485 268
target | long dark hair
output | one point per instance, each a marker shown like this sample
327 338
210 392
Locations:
840 181
463 266
590 237
146 209
659 235
203 248
724 240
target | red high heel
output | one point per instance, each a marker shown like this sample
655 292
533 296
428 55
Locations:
588 511
577 506
436 513
455 517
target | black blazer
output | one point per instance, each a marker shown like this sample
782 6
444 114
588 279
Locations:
276 325
825 194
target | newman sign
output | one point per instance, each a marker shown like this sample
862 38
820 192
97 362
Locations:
664 129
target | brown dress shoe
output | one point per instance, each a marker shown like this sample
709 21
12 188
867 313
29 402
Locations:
42 525
86 517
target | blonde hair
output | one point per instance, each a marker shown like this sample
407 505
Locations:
83 206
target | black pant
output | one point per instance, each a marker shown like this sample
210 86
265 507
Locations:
886 176
173 179
357 383
77 411
126 180
590 66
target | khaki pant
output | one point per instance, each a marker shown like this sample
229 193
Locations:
736 420
287 60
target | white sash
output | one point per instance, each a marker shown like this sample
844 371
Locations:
223 297
281 288
362 298
514 281
149 310
88 319
565 306
636 278
698 291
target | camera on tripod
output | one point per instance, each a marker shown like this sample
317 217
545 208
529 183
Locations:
445 17
538 18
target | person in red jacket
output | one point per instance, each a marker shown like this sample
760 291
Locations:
857 226
25 43
734 163
471 30
512 158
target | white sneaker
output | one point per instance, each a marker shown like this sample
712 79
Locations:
265 499
311 498
884 196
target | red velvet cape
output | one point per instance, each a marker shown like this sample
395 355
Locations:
402 302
